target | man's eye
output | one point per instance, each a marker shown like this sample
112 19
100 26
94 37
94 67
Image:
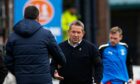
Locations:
73 31
78 32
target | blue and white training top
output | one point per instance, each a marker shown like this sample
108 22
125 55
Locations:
115 62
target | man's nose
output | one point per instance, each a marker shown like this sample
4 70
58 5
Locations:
76 34
112 40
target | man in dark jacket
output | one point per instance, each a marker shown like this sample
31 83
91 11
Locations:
3 70
83 59
28 48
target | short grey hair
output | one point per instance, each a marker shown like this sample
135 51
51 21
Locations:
77 23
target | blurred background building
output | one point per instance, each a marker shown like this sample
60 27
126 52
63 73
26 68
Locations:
97 15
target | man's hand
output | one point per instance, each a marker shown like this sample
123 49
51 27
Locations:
130 81
57 76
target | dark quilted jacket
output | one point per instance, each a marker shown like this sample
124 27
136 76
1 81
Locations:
28 50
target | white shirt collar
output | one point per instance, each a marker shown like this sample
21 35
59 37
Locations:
75 45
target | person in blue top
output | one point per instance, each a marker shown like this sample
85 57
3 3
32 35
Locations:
116 61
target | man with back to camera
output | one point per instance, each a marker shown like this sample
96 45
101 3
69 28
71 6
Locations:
27 50
82 59
116 61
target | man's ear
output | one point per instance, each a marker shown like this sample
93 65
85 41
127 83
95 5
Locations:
121 36
37 19
68 31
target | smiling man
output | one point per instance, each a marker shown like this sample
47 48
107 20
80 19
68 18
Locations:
82 59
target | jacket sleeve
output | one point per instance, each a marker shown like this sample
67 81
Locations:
55 51
98 66
53 67
3 69
9 58
129 62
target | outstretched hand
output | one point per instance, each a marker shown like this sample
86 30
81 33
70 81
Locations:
57 76
130 81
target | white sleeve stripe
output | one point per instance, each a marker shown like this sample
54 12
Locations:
104 45
121 43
